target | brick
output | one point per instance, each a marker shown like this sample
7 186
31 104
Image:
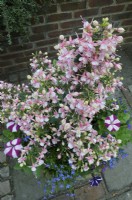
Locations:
50 9
57 33
127 28
73 6
130 28
124 15
97 3
23 74
129 7
88 192
44 28
4 172
5 63
123 1
20 47
22 59
127 34
11 55
13 77
2 157
71 24
8 197
36 37
59 17
4 188
15 68
112 9
46 42
127 40
86 13
127 22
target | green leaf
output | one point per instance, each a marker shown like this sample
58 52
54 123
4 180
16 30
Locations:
8 135
123 117
124 134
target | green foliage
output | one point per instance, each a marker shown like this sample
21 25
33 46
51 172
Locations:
16 16
123 117
7 135
124 134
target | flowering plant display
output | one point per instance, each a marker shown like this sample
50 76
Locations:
66 115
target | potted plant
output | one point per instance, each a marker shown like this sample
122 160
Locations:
66 121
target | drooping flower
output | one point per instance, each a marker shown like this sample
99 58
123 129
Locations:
12 126
112 123
13 148
95 181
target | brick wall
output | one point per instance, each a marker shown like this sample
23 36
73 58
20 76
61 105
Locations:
61 18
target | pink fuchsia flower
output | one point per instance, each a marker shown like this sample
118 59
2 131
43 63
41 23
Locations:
13 148
112 123
12 126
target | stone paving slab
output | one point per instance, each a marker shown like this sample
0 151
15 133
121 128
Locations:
130 88
8 197
121 175
125 196
5 188
2 157
90 193
4 172
26 186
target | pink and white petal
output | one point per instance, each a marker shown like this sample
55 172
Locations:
14 154
116 127
18 147
116 121
7 149
111 117
14 142
8 144
14 128
110 128
33 169
107 121
118 124
9 124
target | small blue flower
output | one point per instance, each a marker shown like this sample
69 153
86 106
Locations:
95 181
26 138
129 126
68 186
70 194
61 186
125 111
112 162
122 153
39 182
73 172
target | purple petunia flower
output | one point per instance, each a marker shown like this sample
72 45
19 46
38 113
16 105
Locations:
12 126
112 123
95 181
13 148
